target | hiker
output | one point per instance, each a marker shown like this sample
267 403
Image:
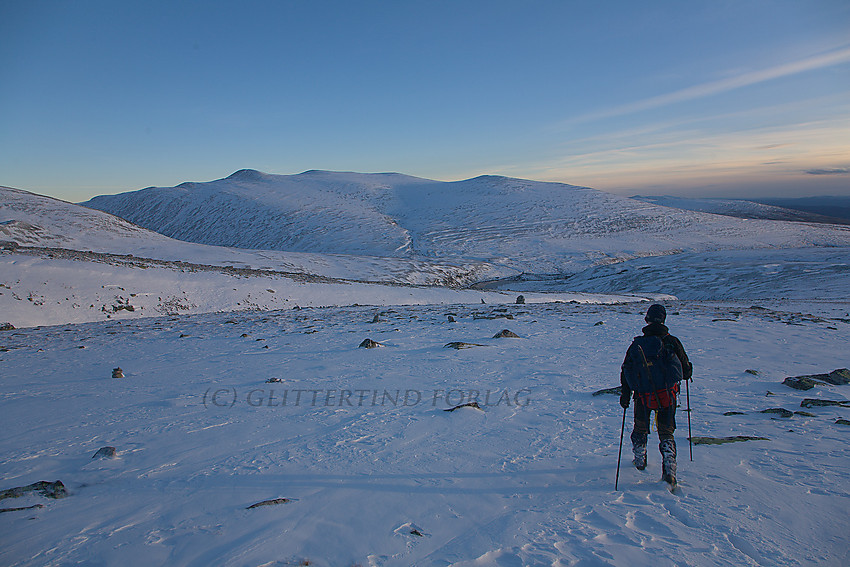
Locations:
655 363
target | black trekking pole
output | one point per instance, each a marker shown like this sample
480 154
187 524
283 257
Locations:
688 398
620 452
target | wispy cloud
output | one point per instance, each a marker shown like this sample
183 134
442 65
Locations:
833 171
724 85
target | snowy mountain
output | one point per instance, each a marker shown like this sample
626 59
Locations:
528 226
31 219
742 208
75 264
35 220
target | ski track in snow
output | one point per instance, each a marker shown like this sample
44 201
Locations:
511 485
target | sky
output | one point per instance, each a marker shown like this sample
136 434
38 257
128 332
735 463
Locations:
707 98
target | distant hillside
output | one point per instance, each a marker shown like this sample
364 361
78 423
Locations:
752 209
33 220
529 226
36 220
830 206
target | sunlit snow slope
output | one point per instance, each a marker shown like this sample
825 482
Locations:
530 226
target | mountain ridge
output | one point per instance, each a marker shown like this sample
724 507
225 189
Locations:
524 225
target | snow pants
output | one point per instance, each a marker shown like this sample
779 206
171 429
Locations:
665 422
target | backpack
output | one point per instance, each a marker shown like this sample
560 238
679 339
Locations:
653 371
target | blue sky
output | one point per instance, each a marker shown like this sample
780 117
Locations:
711 98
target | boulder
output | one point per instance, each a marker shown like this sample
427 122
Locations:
369 343
117 372
105 453
7 327
47 489
520 300
799 382
505 334
781 412
837 377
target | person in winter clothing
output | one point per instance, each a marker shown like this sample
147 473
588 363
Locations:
663 400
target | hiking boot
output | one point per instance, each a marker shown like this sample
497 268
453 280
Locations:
639 450
668 460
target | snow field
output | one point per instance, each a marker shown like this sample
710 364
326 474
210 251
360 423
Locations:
36 290
511 485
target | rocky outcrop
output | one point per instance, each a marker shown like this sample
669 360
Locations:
505 334
809 403
837 377
105 453
47 489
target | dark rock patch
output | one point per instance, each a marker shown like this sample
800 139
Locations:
457 345
369 343
618 390
21 508
722 440
477 316
466 405
837 377
272 502
105 453
809 403
799 383
734 413
7 327
804 414
520 300
781 412
117 372
47 489
751 371
505 334
842 422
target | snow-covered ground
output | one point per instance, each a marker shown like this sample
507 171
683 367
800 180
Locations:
243 382
797 273
376 473
46 289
